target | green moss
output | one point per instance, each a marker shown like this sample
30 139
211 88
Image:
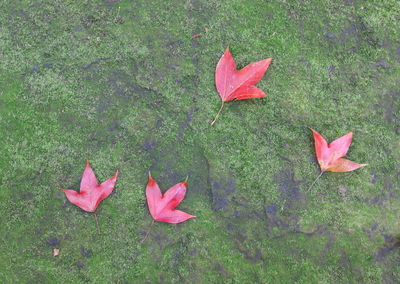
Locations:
124 85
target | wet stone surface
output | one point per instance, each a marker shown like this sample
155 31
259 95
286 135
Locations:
124 84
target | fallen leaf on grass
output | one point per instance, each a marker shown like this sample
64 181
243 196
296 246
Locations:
56 252
162 207
90 193
239 85
330 155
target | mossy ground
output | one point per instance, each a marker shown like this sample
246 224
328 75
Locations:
123 84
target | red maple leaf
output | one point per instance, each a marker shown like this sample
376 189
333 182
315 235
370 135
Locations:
330 156
162 207
232 84
90 193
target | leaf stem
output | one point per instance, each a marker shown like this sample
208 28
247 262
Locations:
148 231
218 113
97 222
315 181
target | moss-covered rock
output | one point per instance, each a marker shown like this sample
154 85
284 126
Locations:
123 84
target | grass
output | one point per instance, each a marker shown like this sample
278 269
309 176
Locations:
124 85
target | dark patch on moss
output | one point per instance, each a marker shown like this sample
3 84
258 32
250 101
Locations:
289 188
86 252
391 103
223 191
223 272
171 167
110 3
53 242
138 95
27 195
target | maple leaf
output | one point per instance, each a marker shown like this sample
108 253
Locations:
330 156
232 84
90 193
162 207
